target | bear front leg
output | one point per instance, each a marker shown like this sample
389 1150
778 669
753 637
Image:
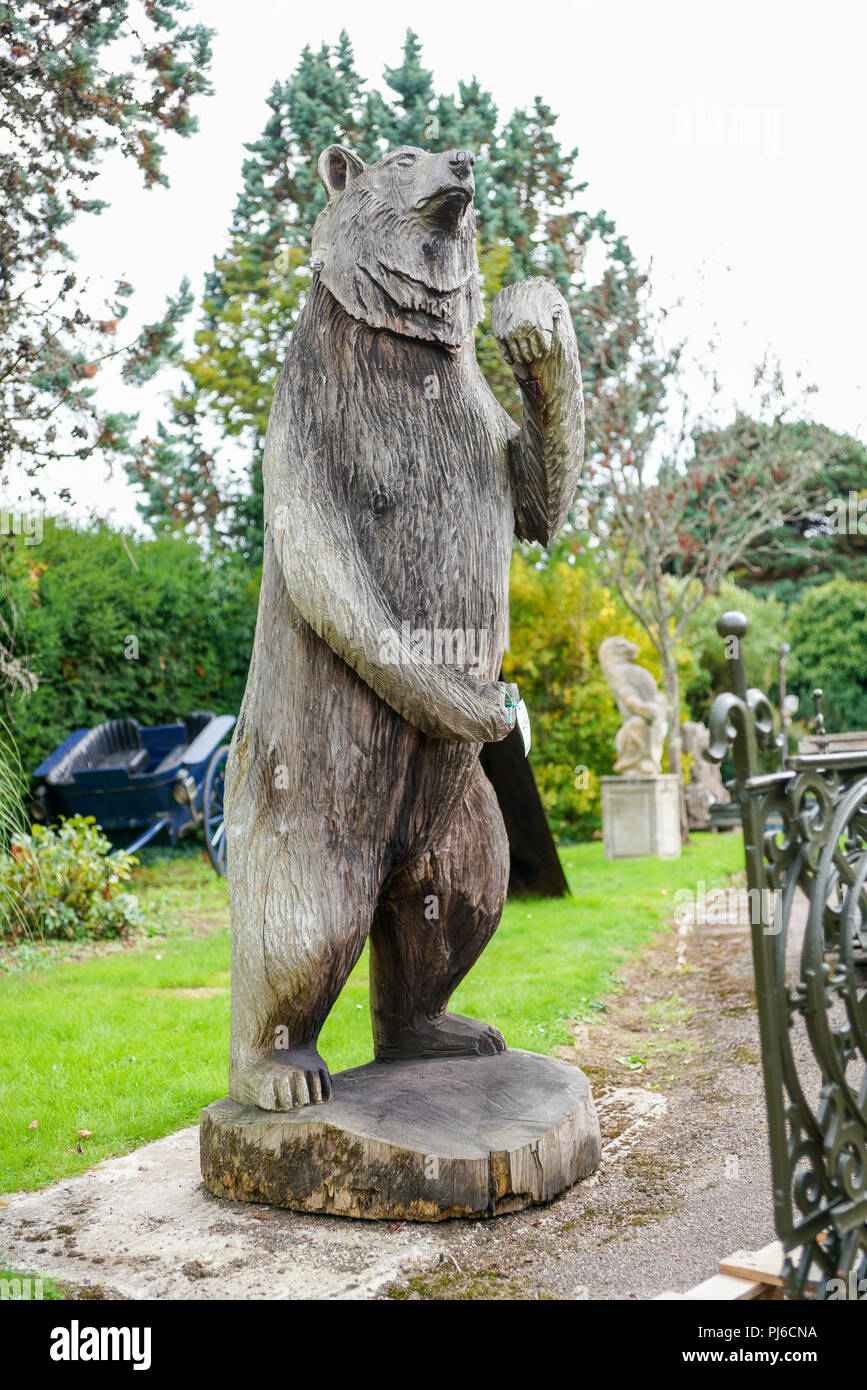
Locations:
329 582
434 919
533 328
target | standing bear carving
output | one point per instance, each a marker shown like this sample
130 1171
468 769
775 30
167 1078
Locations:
356 806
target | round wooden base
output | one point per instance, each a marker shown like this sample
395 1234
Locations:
418 1141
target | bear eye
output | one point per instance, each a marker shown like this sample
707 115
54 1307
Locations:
406 159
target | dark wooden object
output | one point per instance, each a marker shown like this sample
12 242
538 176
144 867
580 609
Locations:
534 864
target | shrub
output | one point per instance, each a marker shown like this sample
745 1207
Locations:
706 672
559 614
67 883
828 633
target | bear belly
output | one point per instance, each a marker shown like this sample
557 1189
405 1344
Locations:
318 752
449 596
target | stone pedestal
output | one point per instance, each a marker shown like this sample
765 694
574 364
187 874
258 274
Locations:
419 1141
641 816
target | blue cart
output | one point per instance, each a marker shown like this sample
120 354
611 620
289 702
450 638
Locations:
145 780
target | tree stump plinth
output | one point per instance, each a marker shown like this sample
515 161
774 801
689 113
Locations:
418 1140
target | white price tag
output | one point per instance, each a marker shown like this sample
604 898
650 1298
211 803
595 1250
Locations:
524 725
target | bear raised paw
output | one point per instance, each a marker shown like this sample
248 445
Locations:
355 803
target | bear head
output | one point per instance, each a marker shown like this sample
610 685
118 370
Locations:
396 242
616 653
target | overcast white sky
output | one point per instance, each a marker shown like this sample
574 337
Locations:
727 141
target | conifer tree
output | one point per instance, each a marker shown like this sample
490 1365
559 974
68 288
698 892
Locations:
65 99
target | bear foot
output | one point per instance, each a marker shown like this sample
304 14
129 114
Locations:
283 1080
449 1035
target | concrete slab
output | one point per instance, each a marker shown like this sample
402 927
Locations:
144 1226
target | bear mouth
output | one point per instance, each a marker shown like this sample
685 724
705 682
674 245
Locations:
446 208
407 293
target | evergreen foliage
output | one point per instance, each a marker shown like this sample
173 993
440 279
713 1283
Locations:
820 540
78 79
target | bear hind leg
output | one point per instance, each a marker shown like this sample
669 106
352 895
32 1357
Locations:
433 921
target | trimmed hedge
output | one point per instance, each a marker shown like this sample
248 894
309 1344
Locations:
114 626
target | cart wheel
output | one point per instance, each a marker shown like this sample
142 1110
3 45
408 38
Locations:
212 810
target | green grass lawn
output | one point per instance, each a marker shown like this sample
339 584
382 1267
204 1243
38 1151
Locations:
29 1287
130 1043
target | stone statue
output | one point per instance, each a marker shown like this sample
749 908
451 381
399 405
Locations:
705 786
642 707
355 804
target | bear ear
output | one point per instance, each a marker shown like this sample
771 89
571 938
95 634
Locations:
337 167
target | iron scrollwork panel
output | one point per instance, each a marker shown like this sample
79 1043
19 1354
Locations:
806 827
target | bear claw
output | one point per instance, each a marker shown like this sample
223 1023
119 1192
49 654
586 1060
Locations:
448 1035
284 1082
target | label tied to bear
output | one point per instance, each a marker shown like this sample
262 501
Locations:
523 724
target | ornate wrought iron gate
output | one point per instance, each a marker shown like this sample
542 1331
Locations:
806 826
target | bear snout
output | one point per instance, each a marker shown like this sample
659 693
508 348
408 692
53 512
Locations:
449 189
461 162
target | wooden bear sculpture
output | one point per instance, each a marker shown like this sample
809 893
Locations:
355 803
